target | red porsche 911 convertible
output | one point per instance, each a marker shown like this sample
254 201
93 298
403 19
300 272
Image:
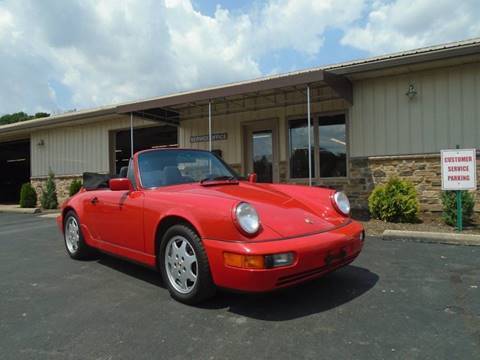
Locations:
187 214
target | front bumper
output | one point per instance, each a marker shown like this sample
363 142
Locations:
315 255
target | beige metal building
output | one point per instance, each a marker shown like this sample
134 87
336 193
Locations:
369 120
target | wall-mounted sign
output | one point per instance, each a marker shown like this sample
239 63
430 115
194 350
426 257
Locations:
204 138
459 169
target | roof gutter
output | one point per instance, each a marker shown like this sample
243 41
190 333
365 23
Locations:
332 75
253 86
55 120
406 58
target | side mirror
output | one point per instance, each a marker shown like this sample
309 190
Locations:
252 178
120 184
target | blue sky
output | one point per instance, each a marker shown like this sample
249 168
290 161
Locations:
74 54
287 59
208 7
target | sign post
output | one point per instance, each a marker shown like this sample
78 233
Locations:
459 210
459 173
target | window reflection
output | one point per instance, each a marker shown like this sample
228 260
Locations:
298 137
332 146
263 155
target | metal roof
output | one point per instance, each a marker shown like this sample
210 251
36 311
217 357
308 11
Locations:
58 119
333 75
459 48
429 53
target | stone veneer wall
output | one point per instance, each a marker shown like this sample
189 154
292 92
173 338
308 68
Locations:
422 170
62 184
364 173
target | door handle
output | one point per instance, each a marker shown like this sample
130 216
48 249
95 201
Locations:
94 200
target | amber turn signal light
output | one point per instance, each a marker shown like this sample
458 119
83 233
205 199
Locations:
244 261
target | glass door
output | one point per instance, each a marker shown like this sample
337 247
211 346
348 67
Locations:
261 150
262 155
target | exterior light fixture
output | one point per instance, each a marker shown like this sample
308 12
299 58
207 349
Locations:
41 143
411 92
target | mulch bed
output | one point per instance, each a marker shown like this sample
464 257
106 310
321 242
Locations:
428 222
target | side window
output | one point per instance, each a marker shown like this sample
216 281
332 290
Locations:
131 174
298 138
333 146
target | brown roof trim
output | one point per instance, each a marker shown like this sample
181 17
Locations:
333 75
417 56
271 83
56 120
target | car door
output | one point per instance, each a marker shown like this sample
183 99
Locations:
92 213
120 218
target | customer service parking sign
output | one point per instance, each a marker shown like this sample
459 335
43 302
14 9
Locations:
459 169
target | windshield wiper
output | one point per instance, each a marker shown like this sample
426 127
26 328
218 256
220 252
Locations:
218 178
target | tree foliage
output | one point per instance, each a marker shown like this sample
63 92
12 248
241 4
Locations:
449 202
75 187
49 194
28 196
20 116
396 201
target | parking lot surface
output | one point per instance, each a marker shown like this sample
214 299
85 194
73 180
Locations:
398 300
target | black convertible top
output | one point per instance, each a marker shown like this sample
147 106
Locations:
93 181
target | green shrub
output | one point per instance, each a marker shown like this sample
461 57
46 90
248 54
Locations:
449 202
396 201
49 194
28 196
75 187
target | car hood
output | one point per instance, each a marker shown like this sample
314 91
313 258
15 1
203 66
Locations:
283 213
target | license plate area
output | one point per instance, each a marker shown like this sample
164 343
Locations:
336 256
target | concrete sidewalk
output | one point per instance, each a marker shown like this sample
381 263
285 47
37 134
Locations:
433 237
15 208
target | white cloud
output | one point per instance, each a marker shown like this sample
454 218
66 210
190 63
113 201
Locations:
84 53
405 24
109 51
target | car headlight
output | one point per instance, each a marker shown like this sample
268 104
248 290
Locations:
340 200
247 218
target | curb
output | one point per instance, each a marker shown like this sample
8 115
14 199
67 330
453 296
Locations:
51 211
432 237
20 210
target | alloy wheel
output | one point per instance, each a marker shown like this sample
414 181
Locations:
72 234
181 264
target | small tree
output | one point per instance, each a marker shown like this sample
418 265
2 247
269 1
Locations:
396 201
75 187
28 196
449 202
49 194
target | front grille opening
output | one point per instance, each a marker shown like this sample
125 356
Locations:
284 280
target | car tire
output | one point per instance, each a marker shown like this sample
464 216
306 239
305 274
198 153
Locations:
184 265
73 238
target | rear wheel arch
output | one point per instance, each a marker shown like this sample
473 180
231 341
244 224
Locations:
65 211
74 240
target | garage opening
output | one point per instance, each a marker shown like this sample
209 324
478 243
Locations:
143 138
14 169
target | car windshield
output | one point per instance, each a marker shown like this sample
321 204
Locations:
171 167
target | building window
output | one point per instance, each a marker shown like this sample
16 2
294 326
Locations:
329 147
298 138
332 146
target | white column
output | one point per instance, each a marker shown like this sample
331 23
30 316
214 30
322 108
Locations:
131 134
309 122
209 126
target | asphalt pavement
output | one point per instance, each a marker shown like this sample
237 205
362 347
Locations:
398 300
